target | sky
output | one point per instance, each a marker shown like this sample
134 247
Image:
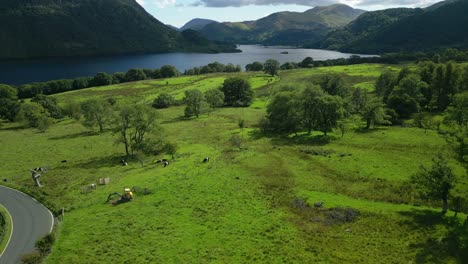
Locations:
178 12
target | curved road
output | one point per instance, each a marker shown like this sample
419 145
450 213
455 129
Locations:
31 221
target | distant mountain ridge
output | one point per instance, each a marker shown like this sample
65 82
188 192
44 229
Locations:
50 28
197 24
284 28
443 25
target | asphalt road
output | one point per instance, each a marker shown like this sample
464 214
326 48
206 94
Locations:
31 221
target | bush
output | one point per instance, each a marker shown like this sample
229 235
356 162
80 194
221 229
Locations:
340 215
44 245
31 258
164 100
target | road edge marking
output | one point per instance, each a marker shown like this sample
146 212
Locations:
11 231
50 213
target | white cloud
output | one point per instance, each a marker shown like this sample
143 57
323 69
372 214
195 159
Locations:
158 3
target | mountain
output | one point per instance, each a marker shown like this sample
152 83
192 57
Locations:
197 24
284 28
173 27
49 28
403 30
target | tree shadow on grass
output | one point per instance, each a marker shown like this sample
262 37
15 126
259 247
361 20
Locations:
101 162
284 140
76 135
452 244
18 127
177 119
363 130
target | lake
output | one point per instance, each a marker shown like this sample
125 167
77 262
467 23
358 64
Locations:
27 71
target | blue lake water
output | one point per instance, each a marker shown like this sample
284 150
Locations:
27 71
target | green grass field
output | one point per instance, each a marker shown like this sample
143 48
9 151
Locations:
5 228
246 205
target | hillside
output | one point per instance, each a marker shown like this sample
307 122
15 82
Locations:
261 192
197 24
284 28
395 30
48 28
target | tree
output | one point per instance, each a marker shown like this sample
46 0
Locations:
255 66
135 75
96 113
9 106
34 115
284 113
237 92
436 182
271 67
333 84
214 98
385 83
440 93
309 105
374 113
330 110
406 98
170 149
118 77
307 62
132 125
164 100
196 103
49 103
73 109
168 71
101 79
458 110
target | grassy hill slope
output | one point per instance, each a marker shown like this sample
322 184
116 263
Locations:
49 28
245 205
286 28
395 30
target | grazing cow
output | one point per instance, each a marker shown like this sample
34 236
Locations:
206 159
92 186
161 160
38 169
124 163
166 163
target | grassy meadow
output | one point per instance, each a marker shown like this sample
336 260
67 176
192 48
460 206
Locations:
248 204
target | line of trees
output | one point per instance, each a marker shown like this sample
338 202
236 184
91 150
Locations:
323 106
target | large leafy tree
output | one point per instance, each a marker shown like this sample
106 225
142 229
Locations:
36 116
333 84
164 100
9 106
374 113
237 92
284 113
96 113
214 98
309 106
135 75
101 79
49 103
196 103
385 83
329 111
271 67
435 182
133 126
